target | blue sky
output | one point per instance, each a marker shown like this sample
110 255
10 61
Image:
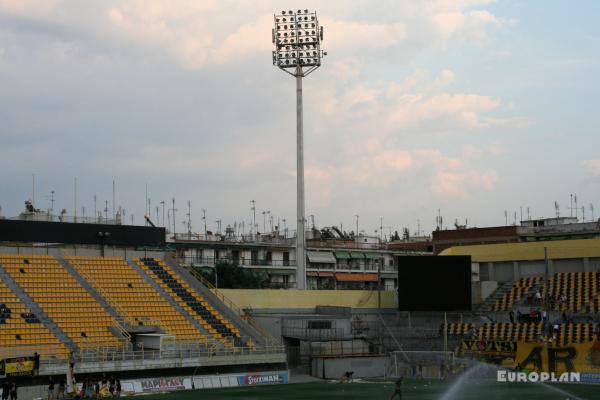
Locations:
472 107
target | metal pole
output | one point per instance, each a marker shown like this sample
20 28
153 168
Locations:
300 240
445 332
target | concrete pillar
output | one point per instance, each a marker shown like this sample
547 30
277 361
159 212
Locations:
490 267
550 268
586 265
516 274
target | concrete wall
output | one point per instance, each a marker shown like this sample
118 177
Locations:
487 288
363 367
91 251
504 271
568 265
532 268
308 299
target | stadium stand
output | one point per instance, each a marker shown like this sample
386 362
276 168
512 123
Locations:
580 289
63 299
497 331
563 334
192 302
516 293
21 332
134 298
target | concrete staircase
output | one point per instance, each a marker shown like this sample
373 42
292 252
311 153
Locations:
37 310
168 297
237 317
497 295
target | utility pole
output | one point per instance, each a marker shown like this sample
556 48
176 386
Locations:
163 212
96 210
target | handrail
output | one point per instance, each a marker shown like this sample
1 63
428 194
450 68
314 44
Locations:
238 310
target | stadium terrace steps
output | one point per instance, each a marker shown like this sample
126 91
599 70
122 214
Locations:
26 326
490 302
245 328
167 297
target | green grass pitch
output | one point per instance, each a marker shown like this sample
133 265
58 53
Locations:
412 389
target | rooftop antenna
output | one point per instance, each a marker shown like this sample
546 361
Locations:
189 221
528 216
106 211
557 209
505 217
380 229
582 213
33 190
173 210
75 199
357 217
204 219
51 202
576 208
571 207
113 202
162 203
592 211
157 210
515 218
418 227
146 205
96 210
284 228
521 213
253 209
218 226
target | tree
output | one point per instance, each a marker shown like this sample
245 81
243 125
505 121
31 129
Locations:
232 276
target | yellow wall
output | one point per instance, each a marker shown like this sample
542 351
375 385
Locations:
557 249
291 298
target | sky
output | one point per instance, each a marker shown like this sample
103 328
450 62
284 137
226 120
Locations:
469 107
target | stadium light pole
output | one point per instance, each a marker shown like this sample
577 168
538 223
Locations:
297 37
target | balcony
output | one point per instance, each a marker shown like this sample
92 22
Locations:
253 262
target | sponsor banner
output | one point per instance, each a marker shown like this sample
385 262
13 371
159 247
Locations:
590 377
576 357
18 366
263 379
488 348
162 384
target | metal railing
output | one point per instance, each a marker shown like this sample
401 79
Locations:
177 351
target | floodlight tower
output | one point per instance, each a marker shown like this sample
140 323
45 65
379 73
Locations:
297 39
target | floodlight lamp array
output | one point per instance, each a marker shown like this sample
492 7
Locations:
297 39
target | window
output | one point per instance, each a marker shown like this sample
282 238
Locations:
319 324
